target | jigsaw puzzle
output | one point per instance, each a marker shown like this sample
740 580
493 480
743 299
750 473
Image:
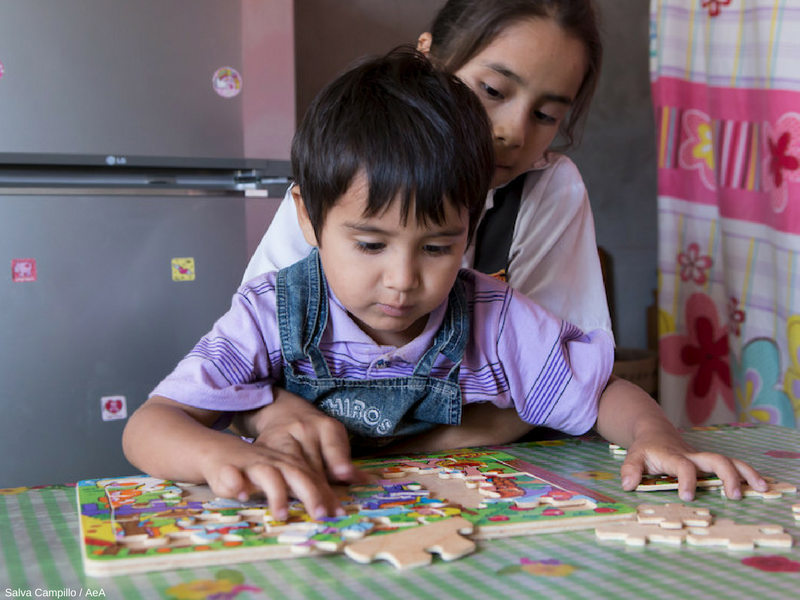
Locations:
676 523
136 524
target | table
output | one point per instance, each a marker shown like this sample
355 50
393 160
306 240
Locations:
555 565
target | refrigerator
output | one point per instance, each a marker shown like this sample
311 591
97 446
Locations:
136 140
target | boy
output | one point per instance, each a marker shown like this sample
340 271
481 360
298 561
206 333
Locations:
377 327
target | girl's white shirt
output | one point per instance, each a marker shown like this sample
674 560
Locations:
553 255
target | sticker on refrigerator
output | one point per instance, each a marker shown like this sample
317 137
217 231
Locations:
227 82
183 269
113 408
23 269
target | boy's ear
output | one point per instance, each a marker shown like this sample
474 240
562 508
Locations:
424 42
302 217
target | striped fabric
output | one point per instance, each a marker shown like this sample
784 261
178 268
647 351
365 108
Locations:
725 78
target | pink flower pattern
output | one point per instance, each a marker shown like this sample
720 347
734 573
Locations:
781 162
693 265
696 151
714 6
702 355
736 316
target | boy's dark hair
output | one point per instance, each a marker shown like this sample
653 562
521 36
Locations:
413 129
462 28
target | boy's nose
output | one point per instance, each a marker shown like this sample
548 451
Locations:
402 274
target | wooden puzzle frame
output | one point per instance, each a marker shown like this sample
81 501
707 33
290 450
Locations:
136 524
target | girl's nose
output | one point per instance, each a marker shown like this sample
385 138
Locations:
510 127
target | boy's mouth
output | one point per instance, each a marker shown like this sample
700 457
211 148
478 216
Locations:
392 310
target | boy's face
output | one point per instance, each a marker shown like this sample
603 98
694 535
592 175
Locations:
388 276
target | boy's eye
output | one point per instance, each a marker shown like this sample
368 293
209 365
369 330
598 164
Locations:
370 247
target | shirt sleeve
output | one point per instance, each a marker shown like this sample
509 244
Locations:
233 367
548 369
554 259
283 243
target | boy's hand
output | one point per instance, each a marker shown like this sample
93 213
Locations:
631 418
293 426
662 452
247 469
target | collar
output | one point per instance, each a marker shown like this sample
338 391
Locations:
342 329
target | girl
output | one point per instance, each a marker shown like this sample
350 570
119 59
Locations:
534 64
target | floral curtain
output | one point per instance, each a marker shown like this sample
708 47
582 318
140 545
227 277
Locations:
726 95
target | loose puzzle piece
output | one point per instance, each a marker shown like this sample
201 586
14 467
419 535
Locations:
657 483
735 536
617 450
638 534
775 489
137 524
413 547
673 516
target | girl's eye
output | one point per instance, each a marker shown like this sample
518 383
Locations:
491 92
543 117
370 247
437 250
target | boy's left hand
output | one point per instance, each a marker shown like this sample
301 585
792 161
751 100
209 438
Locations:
660 452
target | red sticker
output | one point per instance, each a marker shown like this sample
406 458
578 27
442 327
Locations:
23 269
113 408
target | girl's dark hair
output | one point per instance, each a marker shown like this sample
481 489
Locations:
462 28
413 129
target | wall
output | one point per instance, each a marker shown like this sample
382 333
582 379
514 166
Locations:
617 156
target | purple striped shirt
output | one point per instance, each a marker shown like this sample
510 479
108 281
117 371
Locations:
518 355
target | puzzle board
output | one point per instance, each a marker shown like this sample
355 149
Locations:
136 524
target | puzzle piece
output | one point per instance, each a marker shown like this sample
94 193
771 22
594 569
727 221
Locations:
653 483
617 450
638 534
775 489
412 547
725 532
673 516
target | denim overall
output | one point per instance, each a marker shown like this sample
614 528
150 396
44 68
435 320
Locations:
369 408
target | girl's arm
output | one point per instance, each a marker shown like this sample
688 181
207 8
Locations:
174 441
282 244
629 417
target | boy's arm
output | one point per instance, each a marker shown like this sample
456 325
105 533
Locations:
628 416
174 441
482 424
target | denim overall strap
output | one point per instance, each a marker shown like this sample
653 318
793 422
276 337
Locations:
304 285
451 339
375 407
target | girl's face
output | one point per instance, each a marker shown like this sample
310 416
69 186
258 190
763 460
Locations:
527 78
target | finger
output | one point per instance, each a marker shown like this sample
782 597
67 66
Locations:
751 476
298 443
335 451
229 482
631 471
687 479
270 480
724 468
317 496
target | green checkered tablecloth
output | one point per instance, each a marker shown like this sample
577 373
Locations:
41 554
